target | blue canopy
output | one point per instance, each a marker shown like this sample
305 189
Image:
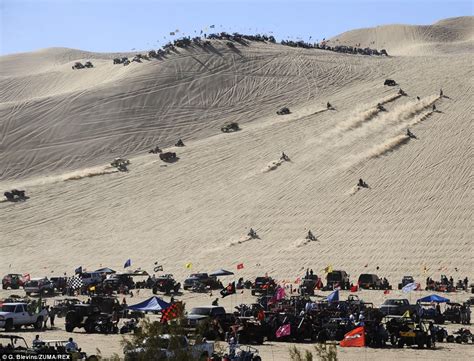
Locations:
150 305
433 298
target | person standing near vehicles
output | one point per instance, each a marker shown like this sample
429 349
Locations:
71 346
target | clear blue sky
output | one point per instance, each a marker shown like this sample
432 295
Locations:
122 25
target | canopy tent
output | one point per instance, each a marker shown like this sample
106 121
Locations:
221 272
137 272
105 270
433 298
152 304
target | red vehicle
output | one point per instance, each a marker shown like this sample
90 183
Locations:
13 281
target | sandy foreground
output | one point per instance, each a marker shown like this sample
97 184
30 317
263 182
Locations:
60 129
110 344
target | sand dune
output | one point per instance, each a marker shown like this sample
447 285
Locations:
57 124
60 129
449 36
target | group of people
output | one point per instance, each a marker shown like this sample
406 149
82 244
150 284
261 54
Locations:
70 346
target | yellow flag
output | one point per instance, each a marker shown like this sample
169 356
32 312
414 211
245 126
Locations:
188 265
92 288
328 269
406 314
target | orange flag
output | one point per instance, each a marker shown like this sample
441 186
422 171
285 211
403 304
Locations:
354 338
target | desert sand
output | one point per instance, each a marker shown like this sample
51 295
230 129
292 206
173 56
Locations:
60 128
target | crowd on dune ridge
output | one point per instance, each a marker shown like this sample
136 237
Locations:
231 41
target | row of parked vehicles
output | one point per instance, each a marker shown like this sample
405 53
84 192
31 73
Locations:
14 347
340 279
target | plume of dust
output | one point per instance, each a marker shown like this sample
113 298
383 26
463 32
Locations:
359 118
272 166
390 98
51 179
389 146
399 114
89 174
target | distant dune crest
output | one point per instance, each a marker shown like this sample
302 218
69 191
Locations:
446 36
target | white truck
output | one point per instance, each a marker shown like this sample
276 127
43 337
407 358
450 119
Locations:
16 314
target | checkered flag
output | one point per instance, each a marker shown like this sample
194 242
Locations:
75 282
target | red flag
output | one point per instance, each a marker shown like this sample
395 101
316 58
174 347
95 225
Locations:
173 311
284 330
386 292
354 288
240 266
354 338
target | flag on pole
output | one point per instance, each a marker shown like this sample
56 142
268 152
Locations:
172 312
78 270
328 269
128 263
280 293
188 265
284 330
229 290
240 266
333 297
354 338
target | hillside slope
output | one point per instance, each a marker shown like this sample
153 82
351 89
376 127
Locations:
449 36
60 128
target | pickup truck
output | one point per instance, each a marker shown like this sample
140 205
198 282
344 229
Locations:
41 286
166 346
16 314
397 307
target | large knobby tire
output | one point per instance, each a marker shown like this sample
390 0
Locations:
89 326
428 342
69 327
420 341
322 337
39 323
9 325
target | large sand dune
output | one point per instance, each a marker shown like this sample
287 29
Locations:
57 124
449 36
